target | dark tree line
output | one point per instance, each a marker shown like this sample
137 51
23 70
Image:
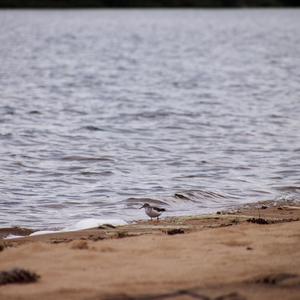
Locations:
144 3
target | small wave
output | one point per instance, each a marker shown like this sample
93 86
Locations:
276 116
289 188
197 195
54 206
288 197
34 112
5 136
8 110
87 158
145 115
133 201
260 191
92 128
74 111
90 173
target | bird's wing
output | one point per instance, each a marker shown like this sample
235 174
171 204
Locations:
158 209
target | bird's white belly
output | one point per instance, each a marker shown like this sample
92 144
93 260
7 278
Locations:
152 213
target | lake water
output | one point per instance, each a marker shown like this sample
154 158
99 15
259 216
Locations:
198 110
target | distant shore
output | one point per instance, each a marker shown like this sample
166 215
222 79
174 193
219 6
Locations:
252 253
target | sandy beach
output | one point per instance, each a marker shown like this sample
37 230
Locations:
224 256
195 111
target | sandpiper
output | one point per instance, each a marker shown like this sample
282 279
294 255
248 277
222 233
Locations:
152 211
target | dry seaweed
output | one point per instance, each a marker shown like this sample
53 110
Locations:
59 241
275 279
258 221
180 294
18 275
231 296
265 221
96 238
122 234
2 246
175 231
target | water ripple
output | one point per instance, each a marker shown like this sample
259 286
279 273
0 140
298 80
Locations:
138 106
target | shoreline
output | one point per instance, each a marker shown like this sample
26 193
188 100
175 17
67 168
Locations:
250 208
247 254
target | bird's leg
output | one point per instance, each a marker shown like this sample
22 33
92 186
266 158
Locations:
157 218
151 218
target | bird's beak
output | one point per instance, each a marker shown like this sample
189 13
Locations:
142 207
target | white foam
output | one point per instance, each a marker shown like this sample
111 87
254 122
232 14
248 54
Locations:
84 224
92 223
12 236
43 232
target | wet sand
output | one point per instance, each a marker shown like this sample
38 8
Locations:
222 256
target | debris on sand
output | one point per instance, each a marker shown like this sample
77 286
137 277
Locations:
273 221
275 279
180 294
59 241
231 296
258 221
175 231
2 246
122 234
18 275
96 238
